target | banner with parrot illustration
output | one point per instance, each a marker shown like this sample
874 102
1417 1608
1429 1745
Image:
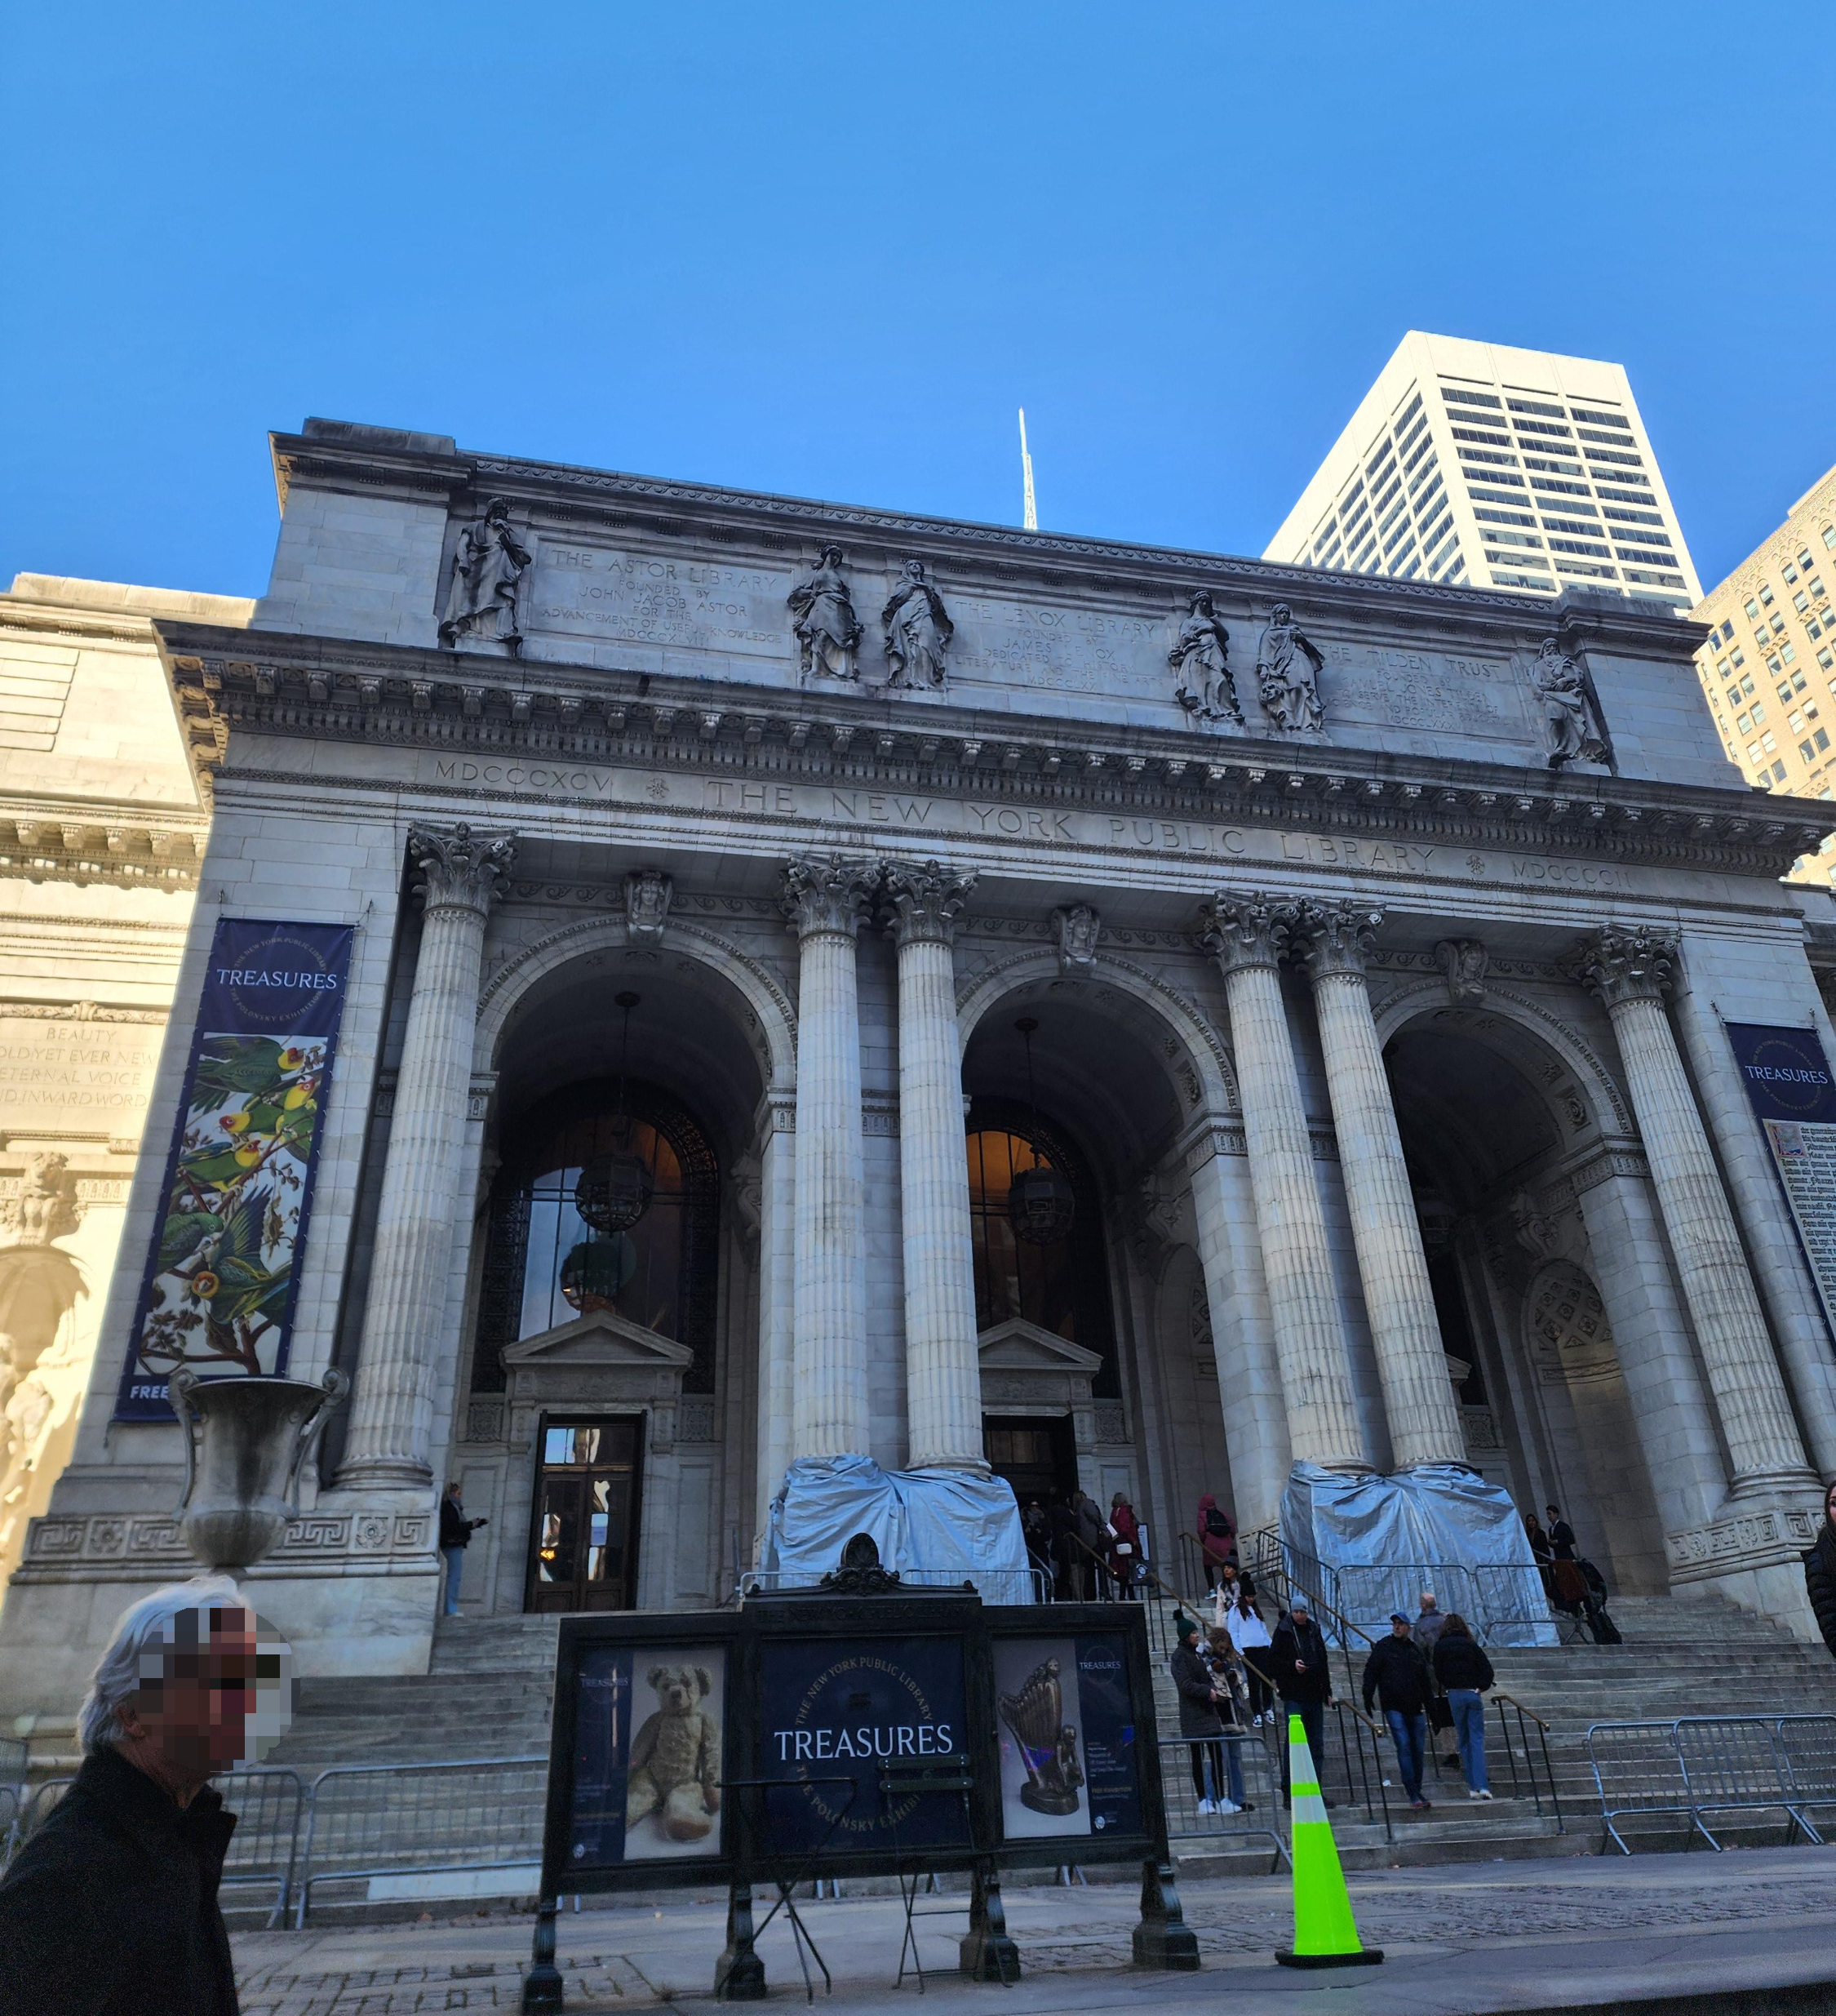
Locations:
224 1269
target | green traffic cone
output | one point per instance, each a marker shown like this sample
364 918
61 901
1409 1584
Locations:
1325 1934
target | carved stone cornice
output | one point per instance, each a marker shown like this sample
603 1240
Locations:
1240 932
925 899
1334 939
563 718
1624 965
828 894
459 868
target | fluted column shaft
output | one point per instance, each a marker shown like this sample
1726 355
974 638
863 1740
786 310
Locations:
391 1409
1631 971
1418 1397
826 899
942 1363
1247 938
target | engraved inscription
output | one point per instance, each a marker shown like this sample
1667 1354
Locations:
76 1073
598 591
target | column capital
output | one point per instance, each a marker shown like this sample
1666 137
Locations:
1240 932
925 899
1622 965
827 894
1335 938
459 867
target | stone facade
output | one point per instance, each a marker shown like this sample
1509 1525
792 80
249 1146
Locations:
1380 1057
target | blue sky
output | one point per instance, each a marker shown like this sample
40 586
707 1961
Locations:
828 249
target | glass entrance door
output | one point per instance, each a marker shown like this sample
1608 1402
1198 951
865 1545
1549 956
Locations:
583 1553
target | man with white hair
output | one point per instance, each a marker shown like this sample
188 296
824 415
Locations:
110 1909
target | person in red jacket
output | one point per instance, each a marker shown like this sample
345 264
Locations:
1124 1545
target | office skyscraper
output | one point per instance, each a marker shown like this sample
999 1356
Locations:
1517 470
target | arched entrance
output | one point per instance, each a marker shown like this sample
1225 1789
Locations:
1494 1123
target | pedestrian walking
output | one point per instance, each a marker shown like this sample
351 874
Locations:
455 1536
1430 1618
1125 1546
1217 1539
1297 1664
1063 1518
1396 1676
1819 1571
1561 1535
111 1907
1464 1674
1249 1637
1093 1540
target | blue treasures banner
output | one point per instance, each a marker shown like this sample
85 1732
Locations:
1793 1097
224 1269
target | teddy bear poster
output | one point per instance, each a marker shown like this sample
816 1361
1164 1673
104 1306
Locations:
672 1783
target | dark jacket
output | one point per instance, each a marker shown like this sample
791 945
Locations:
1396 1676
455 1529
1198 1714
1289 1641
111 1908
1820 1585
1561 1540
1460 1662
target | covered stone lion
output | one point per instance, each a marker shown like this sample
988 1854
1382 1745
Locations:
675 1758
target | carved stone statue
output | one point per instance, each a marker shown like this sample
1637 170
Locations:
1200 657
1078 927
1287 674
825 624
1571 733
487 571
918 630
39 1286
1463 963
648 892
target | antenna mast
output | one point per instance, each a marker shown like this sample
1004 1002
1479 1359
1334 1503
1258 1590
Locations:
1029 517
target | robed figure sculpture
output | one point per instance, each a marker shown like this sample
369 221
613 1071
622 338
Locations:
826 626
918 631
1288 673
1570 730
490 563
1200 655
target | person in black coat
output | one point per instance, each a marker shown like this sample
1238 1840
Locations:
1198 1715
455 1536
1464 1673
1298 1665
1396 1676
110 1909
1819 1572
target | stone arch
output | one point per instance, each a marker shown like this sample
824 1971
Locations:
1606 1102
764 1008
1184 1033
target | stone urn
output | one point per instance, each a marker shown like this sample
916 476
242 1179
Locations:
247 1441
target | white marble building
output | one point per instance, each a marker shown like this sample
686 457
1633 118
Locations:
1381 1053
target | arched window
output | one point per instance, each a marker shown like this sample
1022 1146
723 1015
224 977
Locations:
544 1264
1062 1287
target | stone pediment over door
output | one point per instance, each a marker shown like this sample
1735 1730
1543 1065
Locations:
1027 1369
598 1363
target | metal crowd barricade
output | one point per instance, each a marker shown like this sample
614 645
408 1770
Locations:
1032 1584
367 1821
269 1802
13 1757
1704 1764
1193 1831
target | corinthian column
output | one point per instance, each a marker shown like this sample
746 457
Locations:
1418 1395
1631 972
942 1366
826 898
1247 937
391 1411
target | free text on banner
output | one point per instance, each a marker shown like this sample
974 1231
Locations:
224 1266
1793 1096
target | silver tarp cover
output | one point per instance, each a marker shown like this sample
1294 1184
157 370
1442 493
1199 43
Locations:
939 1528
1368 1545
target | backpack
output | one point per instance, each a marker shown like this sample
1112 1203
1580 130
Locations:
1216 1524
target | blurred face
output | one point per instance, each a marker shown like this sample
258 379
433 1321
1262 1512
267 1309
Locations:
1830 1503
194 1719
1397 1628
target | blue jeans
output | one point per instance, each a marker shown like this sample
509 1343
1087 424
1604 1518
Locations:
1411 1733
1468 1705
1205 1774
456 1564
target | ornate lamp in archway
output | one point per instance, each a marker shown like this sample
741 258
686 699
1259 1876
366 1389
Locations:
615 1189
1040 1203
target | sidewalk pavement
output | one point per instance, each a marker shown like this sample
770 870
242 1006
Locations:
1713 1929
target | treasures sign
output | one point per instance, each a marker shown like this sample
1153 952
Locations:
223 1271
1793 1097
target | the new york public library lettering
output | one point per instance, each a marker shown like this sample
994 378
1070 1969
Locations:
860 1023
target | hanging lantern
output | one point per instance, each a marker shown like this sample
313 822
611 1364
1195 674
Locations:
1040 1204
614 1190
594 1271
